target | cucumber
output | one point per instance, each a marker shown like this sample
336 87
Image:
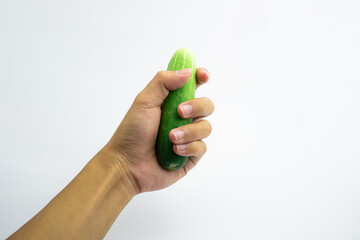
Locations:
168 159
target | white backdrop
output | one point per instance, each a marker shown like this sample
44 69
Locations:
283 160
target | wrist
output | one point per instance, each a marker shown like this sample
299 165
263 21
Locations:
115 165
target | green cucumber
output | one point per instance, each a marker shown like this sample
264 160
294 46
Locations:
170 119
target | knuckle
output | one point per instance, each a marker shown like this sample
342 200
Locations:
139 98
207 125
204 148
203 106
210 104
206 99
210 128
143 98
160 74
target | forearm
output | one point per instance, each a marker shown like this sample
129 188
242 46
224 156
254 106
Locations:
87 207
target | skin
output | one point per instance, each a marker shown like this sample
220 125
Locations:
126 166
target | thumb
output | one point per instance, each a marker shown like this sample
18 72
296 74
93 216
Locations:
158 88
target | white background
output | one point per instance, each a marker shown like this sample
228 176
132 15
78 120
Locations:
283 160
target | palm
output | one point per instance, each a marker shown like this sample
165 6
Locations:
135 138
137 134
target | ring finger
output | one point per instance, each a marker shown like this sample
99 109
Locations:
195 149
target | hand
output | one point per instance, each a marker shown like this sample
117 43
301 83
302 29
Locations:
127 165
134 141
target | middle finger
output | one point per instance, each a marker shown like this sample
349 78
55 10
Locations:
195 108
190 132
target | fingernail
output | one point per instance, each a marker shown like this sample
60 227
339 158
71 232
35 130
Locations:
178 134
206 71
181 147
183 71
186 109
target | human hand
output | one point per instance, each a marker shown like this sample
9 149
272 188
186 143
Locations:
133 143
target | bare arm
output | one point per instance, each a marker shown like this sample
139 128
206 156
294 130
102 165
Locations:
87 207
126 166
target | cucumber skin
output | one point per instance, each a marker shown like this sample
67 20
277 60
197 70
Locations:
168 159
